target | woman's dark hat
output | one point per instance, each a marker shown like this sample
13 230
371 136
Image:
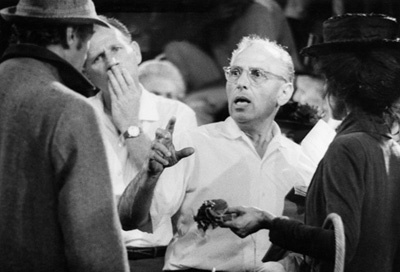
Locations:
53 11
354 31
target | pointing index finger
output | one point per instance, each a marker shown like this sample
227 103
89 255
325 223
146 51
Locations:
171 125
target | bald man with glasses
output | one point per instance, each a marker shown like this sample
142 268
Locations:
244 159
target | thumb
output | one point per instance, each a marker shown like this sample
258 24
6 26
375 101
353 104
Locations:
185 152
237 210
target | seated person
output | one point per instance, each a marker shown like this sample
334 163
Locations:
310 90
163 78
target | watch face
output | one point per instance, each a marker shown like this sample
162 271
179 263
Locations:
133 131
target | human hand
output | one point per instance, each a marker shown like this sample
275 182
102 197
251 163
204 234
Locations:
125 97
247 220
163 153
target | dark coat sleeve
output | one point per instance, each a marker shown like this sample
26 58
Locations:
295 236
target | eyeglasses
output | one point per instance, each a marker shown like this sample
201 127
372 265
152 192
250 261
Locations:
257 76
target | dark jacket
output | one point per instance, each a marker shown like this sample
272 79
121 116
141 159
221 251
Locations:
359 179
57 211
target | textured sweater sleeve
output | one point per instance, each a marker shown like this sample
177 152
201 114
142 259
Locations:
298 237
87 212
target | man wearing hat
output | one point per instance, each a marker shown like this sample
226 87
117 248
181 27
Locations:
358 178
57 211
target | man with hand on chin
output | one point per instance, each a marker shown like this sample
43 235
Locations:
130 116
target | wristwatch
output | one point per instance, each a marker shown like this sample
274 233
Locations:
132 132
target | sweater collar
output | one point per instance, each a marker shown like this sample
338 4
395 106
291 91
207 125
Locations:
360 121
70 76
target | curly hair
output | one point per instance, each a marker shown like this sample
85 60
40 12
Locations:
368 79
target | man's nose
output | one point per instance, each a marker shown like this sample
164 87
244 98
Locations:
110 59
244 79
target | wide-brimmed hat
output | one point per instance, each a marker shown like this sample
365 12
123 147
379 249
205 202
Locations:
52 11
355 31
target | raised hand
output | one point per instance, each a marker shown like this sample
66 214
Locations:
163 153
125 97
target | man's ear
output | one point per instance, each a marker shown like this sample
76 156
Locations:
136 50
285 93
70 36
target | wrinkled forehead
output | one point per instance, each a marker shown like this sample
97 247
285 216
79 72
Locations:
101 32
105 38
261 56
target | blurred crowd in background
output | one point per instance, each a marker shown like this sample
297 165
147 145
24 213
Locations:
185 44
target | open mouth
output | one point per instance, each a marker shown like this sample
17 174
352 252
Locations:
241 100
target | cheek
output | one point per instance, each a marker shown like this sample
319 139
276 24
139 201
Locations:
266 101
230 89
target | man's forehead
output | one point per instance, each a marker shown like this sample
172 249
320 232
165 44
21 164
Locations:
258 56
100 31
104 37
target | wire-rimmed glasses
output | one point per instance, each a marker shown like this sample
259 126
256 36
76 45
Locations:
256 75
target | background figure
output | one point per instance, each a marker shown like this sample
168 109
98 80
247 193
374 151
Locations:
162 77
310 90
130 116
358 176
57 211
244 158
201 57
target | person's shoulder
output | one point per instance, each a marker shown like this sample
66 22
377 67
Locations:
289 143
71 105
356 144
70 98
211 130
291 150
351 140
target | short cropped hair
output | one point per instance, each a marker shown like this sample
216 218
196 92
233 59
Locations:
283 53
118 25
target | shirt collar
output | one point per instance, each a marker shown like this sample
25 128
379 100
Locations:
70 77
231 130
148 106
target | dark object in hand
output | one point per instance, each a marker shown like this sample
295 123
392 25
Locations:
211 213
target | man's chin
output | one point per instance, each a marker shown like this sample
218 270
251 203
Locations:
240 116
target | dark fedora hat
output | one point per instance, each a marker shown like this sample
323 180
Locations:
52 11
355 31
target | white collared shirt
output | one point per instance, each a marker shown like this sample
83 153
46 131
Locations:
225 165
155 112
